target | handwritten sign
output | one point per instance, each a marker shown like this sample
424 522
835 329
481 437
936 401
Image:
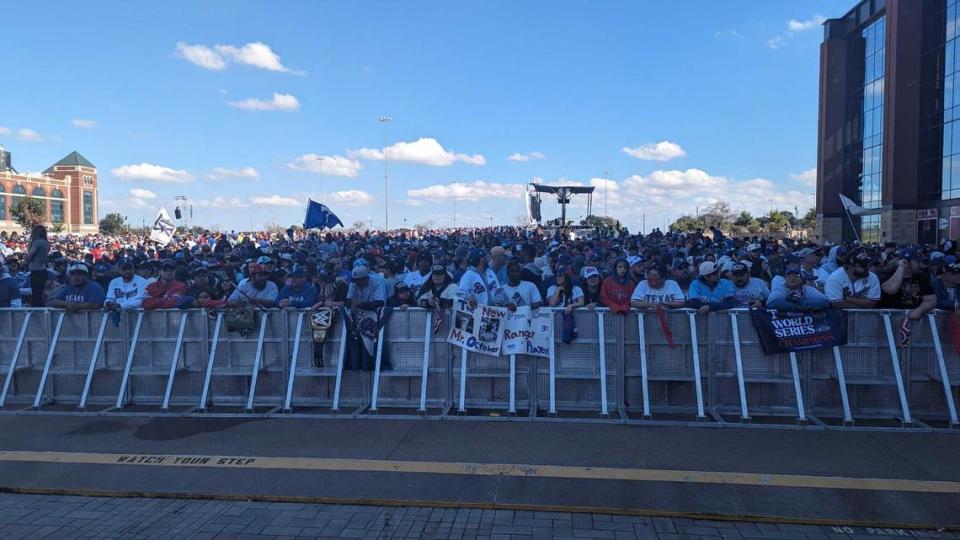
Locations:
478 329
528 332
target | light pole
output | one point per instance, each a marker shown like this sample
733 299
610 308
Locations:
386 205
606 187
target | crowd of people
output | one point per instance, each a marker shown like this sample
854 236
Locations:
506 266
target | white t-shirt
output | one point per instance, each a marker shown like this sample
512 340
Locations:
524 294
577 294
670 292
128 295
839 285
415 279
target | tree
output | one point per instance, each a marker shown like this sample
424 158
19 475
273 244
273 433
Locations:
688 224
601 221
359 225
113 224
57 227
29 212
718 214
809 220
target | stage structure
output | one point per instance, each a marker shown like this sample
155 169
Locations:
563 193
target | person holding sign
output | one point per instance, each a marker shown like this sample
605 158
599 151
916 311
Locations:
657 290
520 293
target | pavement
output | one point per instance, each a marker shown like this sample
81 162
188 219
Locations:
866 479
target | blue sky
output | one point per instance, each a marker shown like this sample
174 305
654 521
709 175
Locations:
238 105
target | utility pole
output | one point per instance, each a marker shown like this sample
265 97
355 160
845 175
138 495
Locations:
386 203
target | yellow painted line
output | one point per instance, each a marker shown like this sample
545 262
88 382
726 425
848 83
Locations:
487 469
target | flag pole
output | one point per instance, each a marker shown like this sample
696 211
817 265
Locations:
846 209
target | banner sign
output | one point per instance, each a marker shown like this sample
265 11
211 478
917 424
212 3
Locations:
528 332
478 329
783 331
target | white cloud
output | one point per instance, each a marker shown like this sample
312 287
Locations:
143 193
807 177
332 165
30 135
728 33
222 173
661 151
84 124
280 102
516 156
275 200
351 198
425 150
222 202
794 25
673 193
201 55
151 172
473 191
4 130
216 58
411 202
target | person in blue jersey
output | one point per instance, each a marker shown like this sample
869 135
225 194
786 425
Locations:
709 292
298 294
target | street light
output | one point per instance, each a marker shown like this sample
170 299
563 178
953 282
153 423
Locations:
386 212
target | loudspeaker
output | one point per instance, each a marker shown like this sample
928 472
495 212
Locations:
176 212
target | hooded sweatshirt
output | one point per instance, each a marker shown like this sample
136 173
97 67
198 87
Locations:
615 291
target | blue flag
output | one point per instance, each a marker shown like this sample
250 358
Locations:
320 217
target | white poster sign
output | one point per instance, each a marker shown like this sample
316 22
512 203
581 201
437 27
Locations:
478 329
528 332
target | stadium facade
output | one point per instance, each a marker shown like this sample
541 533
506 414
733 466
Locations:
889 122
68 188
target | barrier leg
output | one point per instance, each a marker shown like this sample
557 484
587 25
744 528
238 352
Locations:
842 378
177 350
129 363
644 379
895 360
213 356
553 375
256 361
293 363
426 363
14 359
461 409
46 365
698 384
376 373
944 374
603 365
512 408
744 413
342 355
93 362
801 409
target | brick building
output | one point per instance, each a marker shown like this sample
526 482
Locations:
68 188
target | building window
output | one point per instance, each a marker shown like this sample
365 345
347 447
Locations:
56 211
871 178
870 229
56 194
950 172
3 204
39 192
19 190
88 208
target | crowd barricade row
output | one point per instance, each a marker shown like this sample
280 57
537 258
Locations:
643 365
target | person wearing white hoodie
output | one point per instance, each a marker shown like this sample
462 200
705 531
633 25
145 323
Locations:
127 291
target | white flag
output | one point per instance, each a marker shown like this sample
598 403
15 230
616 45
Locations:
163 228
853 208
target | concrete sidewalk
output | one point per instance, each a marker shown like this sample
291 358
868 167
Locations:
800 476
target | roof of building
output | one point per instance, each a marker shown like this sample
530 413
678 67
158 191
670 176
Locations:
73 159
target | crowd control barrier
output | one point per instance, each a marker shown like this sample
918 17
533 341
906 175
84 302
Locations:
619 366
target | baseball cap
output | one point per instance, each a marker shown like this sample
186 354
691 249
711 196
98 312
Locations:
125 263
360 272
753 247
589 272
740 267
438 269
707 268
911 255
860 258
793 270
475 255
401 287
258 269
808 251
167 265
791 258
263 259
78 268
634 260
297 272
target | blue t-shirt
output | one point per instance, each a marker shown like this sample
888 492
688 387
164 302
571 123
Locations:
303 298
9 291
91 293
699 289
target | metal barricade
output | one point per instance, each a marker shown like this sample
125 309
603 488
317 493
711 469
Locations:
24 340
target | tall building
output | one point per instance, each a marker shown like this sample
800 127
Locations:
68 188
889 122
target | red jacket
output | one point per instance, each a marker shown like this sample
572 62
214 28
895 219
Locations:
616 296
160 297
